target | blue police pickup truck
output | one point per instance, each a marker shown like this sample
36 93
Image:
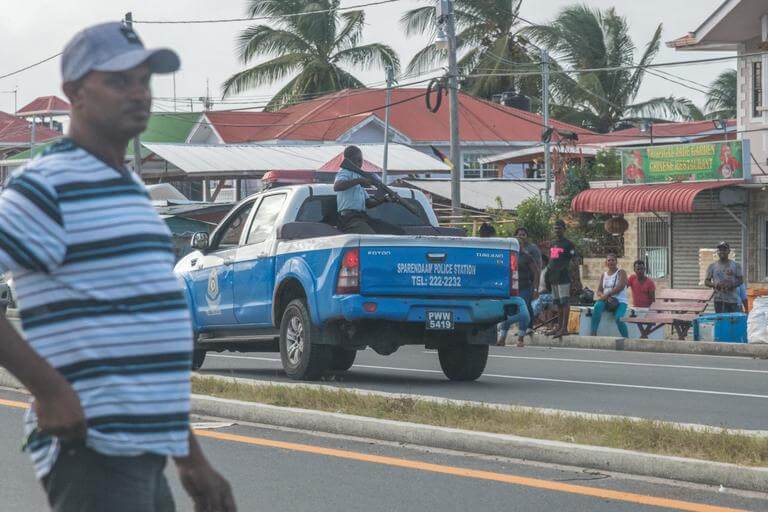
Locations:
277 275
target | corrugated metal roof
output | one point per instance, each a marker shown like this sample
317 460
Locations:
527 154
229 159
482 194
45 105
665 197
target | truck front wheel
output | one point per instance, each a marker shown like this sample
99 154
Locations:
302 357
463 362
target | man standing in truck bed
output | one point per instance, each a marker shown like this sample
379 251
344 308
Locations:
352 200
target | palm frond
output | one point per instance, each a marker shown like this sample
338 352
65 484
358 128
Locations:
265 40
263 74
352 31
666 108
374 55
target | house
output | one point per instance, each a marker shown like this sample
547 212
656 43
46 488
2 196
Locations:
162 127
46 107
741 26
17 134
357 117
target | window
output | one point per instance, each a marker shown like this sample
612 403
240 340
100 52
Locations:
757 89
323 209
228 236
472 168
653 246
264 220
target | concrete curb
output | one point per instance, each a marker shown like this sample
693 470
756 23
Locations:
554 452
504 407
710 348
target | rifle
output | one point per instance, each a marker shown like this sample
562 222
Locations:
380 186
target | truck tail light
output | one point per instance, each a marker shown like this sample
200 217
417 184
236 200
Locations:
514 283
349 274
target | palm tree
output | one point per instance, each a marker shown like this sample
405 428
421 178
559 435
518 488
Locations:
312 49
486 42
584 38
721 97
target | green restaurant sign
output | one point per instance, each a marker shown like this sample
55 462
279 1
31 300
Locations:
686 162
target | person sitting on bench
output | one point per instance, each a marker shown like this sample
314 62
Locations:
612 296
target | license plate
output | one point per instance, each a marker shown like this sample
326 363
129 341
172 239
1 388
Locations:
440 320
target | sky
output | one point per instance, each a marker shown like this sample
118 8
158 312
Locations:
31 30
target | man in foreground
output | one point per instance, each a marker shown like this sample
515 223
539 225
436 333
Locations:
352 200
725 277
108 350
561 252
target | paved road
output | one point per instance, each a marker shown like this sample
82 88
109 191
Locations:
712 390
298 471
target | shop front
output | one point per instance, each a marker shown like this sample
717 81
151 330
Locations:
679 202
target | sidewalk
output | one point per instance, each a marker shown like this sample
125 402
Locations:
711 348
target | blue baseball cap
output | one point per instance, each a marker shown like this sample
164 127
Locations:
112 47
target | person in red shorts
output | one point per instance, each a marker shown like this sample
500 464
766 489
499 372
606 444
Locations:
643 288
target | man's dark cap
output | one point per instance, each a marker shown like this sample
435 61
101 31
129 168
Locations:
723 245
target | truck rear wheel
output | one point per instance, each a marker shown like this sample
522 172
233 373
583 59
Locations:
342 359
302 357
198 358
463 362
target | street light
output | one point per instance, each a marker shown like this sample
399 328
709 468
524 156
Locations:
721 124
647 127
441 41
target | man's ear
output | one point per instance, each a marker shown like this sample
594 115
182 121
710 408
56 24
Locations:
73 92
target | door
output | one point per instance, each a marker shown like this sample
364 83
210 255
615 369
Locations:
213 274
255 265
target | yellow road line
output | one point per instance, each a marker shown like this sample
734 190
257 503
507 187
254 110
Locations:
536 483
471 473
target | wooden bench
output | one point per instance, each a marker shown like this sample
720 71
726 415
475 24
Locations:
676 307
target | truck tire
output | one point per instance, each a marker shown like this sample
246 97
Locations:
342 359
198 358
463 362
302 357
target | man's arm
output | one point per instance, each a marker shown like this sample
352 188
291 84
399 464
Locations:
58 408
342 185
652 291
207 488
372 202
708 280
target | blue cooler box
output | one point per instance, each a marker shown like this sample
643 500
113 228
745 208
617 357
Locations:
728 327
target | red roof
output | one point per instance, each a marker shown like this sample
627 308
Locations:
660 131
663 197
327 118
17 131
45 105
334 164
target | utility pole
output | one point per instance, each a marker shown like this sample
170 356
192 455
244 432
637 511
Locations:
545 108
128 21
445 16
390 81
15 93
174 91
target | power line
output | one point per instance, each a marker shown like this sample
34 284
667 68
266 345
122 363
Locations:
625 68
21 70
260 18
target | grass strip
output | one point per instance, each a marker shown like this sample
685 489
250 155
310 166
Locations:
649 436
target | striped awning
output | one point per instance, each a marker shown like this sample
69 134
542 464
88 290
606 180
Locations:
663 197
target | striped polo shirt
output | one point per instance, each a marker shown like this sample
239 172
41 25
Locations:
93 269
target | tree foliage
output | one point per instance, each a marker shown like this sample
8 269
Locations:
583 38
313 50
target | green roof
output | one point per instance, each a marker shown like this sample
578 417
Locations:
162 127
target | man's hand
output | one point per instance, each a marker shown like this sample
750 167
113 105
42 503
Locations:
59 413
207 488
